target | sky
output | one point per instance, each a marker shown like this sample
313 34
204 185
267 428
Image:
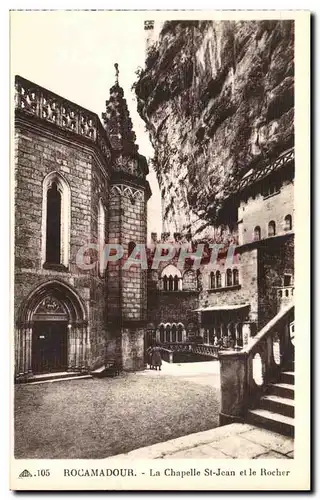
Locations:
72 53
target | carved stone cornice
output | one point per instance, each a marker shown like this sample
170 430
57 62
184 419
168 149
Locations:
36 101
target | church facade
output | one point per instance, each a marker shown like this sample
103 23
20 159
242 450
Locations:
78 185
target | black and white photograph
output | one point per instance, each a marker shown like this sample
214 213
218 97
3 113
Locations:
155 205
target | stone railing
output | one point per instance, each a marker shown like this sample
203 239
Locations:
206 350
34 100
166 355
245 374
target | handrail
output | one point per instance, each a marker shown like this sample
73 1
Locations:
265 330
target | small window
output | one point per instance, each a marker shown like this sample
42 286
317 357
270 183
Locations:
53 225
257 233
288 223
218 279
212 280
271 228
168 330
131 247
235 273
161 333
180 328
176 283
174 333
287 280
229 277
170 283
165 283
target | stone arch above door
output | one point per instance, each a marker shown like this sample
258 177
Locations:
56 302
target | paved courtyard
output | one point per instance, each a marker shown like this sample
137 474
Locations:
230 441
97 418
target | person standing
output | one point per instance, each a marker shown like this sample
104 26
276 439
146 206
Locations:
156 357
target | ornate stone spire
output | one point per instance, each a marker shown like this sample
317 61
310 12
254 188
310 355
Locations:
117 120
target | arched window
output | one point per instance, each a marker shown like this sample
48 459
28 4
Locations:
218 279
168 330
131 247
235 273
229 277
174 333
257 233
170 283
55 220
53 225
176 283
271 228
288 223
212 280
101 235
171 278
180 330
161 329
165 283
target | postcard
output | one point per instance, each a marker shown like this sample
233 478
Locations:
160 178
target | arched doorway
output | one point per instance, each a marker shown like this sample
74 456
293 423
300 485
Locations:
52 332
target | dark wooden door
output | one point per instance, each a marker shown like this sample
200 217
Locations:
49 347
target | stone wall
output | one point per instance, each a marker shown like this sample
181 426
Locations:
260 210
39 151
276 258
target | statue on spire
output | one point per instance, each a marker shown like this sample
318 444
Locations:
116 65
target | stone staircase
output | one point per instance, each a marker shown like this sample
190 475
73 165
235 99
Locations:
276 410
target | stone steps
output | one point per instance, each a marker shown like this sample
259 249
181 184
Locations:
55 377
277 407
272 421
276 404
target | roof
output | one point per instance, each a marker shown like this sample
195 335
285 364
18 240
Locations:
224 307
255 175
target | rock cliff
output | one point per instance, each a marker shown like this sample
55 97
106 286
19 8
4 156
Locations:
218 100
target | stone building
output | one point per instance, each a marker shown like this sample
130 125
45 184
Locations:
78 184
239 292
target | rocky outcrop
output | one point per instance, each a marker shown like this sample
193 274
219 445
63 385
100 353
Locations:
218 100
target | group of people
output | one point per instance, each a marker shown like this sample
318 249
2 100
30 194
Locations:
154 357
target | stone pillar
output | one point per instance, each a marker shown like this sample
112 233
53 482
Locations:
71 347
28 351
246 333
233 386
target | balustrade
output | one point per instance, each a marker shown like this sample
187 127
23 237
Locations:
37 101
246 372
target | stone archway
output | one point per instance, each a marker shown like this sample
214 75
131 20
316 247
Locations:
52 332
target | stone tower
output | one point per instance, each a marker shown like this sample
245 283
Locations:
129 193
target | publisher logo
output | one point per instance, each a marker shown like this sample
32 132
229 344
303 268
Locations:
25 473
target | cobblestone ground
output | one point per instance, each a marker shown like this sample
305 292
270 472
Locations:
97 418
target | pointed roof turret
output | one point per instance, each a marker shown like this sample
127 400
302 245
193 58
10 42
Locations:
117 121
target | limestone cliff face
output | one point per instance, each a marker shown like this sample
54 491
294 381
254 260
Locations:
218 100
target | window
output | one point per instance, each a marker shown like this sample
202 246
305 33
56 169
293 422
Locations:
288 223
180 330
271 228
171 278
161 329
212 280
174 333
287 280
257 233
55 220
176 283
235 273
168 331
53 225
131 247
101 235
218 279
229 277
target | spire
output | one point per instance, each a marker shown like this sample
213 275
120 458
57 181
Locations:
117 121
116 65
